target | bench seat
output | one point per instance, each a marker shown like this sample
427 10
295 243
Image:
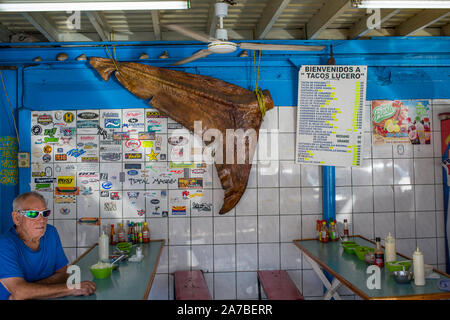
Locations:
190 285
277 285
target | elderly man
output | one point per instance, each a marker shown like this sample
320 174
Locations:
32 261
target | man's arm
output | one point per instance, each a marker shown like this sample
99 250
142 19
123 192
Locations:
60 276
21 290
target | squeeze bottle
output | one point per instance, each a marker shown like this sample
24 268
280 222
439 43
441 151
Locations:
389 252
419 268
103 247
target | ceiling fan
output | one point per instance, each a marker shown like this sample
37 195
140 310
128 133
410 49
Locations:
220 43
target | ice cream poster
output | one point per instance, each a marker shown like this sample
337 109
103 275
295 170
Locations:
401 121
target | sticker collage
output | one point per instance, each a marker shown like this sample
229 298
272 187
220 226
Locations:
117 164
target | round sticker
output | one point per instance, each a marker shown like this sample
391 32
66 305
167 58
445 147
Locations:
64 211
47 149
58 115
37 129
68 117
47 158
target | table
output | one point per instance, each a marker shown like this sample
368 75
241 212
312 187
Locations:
131 281
348 270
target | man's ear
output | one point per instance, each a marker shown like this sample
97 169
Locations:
16 218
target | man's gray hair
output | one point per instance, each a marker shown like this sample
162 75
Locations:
20 199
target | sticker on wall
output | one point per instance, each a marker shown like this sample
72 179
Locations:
115 195
8 161
185 183
146 135
133 120
201 207
64 211
67 191
65 182
87 121
181 165
45 119
69 117
152 156
178 210
36 130
401 121
64 199
155 121
110 206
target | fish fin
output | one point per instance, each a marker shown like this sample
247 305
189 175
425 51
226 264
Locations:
234 179
103 66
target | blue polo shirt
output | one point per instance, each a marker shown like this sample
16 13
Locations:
18 260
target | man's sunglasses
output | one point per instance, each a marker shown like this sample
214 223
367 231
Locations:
34 214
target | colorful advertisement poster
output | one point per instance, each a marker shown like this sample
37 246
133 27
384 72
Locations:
401 121
445 148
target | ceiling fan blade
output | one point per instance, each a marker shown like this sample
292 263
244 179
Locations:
199 36
195 56
281 47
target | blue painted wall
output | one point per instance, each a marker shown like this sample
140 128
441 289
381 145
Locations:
399 68
8 189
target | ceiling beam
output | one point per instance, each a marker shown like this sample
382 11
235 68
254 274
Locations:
270 15
99 24
156 25
446 30
361 28
326 16
4 34
421 21
211 25
42 25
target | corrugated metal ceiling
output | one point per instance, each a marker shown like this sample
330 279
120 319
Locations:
298 19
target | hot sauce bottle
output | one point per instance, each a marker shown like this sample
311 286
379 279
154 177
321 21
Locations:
112 236
379 254
324 236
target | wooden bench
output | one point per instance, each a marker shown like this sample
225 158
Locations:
277 285
190 285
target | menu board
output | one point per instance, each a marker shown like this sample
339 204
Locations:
330 115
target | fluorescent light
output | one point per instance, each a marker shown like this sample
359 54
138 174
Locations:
401 4
93 6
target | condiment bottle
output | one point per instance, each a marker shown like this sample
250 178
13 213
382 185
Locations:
145 233
318 227
121 235
140 233
379 254
346 230
103 247
333 232
132 236
389 247
112 236
419 268
324 232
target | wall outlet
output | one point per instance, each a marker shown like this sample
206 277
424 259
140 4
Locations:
23 159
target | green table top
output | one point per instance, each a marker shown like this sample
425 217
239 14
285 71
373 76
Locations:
131 281
351 271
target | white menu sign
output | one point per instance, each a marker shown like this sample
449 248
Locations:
330 115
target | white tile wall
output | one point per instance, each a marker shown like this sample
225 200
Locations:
394 190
